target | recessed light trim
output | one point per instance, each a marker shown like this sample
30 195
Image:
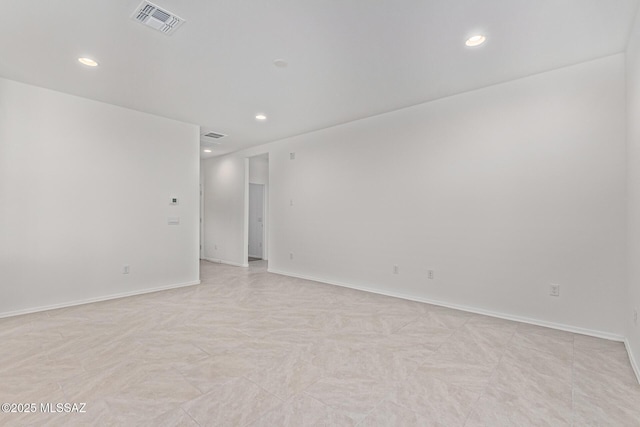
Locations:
476 40
88 62
261 117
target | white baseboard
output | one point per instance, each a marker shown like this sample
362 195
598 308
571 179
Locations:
97 299
221 261
506 316
632 359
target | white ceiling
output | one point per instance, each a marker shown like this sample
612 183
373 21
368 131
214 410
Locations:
348 59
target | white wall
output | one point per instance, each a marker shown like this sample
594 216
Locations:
84 189
259 169
633 158
501 191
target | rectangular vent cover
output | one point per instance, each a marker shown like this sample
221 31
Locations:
214 135
159 19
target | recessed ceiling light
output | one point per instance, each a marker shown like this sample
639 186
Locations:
261 117
476 40
280 63
207 151
88 62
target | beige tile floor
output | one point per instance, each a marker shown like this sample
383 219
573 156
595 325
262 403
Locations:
249 348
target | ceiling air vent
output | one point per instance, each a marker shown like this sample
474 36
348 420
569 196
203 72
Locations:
159 19
214 135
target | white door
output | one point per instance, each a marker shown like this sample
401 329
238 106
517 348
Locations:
256 220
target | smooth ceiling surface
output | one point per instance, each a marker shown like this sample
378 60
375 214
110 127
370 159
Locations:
346 59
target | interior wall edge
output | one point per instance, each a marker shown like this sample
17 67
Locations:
222 261
506 316
96 299
632 359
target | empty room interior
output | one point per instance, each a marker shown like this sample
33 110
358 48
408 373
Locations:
320 213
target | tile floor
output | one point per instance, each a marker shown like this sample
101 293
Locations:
249 348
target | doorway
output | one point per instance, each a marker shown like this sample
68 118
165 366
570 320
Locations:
256 222
257 208
201 221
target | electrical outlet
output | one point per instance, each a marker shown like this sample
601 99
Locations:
292 156
291 202
125 269
215 247
554 290
635 317
430 274
396 270
290 255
